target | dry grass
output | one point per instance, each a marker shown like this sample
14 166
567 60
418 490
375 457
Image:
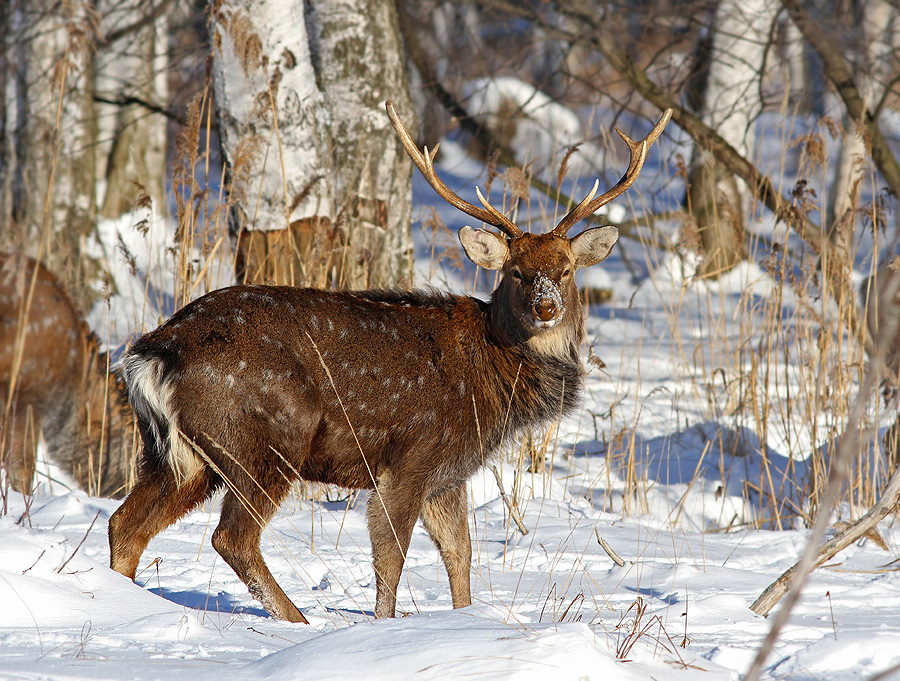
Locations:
781 366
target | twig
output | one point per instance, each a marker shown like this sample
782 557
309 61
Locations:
90 527
509 505
616 558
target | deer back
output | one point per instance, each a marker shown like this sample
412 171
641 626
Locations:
342 385
55 381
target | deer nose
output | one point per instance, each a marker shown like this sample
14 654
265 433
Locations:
545 309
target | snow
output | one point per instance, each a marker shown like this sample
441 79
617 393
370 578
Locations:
659 463
550 604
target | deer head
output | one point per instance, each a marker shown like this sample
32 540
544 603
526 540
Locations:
537 290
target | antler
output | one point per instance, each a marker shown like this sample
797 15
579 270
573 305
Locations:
638 155
424 162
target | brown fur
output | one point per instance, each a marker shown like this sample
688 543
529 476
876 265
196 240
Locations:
408 393
405 393
62 388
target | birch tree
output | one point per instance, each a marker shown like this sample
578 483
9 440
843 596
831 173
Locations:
320 182
47 196
717 199
875 57
131 75
58 145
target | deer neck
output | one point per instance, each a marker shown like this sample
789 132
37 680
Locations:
558 343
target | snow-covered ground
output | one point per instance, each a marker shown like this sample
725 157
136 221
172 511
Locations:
659 463
547 605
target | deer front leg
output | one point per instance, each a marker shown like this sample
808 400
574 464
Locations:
393 510
446 519
155 503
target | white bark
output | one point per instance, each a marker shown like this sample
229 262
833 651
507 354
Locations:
738 53
131 140
731 106
358 56
329 65
48 64
851 170
795 61
261 51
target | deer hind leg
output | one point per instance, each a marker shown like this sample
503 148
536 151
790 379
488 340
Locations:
392 511
446 519
20 441
155 503
244 515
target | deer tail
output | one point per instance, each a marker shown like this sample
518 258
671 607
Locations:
150 392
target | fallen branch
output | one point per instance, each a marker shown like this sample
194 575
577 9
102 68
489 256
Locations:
791 584
846 537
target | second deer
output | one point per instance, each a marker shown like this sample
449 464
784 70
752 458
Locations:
55 382
405 393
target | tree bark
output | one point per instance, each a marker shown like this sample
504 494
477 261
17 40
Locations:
48 191
358 57
840 73
325 196
851 169
131 141
716 198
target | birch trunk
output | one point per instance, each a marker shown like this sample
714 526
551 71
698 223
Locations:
716 198
49 136
131 140
852 168
358 56
327 198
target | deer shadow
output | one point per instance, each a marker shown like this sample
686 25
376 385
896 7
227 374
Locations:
222 603
731 460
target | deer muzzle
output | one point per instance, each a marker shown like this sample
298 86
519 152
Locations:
545 310
546 303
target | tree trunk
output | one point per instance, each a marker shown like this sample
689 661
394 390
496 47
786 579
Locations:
48 190
323 194
851 169
131 140
716 198
358 56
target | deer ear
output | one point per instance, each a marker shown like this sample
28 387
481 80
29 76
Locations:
485 249
593 245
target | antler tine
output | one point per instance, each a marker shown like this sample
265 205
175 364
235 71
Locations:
424 162
638 156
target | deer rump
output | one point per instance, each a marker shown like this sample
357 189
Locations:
252 387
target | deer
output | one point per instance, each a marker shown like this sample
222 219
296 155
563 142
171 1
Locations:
404 393
56 382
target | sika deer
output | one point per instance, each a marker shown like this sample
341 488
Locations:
61 387
405 393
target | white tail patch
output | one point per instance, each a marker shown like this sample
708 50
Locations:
151 398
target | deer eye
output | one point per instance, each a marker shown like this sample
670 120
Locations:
567 272
517 275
